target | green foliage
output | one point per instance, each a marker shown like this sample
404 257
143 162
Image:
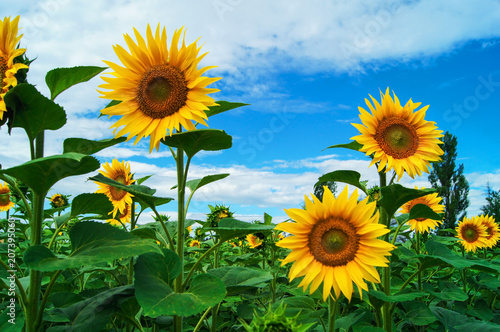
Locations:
394 196
349 177
230 228
61 79
492 206
195 141
223 106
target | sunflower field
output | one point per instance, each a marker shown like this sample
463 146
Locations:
363 259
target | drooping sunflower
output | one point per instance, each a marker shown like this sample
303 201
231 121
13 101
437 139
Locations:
124 217
8 52
397 137
423 225
334 242
5 202
254 241
119 172
472 233
160 89
492 229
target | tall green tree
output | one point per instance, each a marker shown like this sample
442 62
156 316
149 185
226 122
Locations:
492 206
319 188
450 182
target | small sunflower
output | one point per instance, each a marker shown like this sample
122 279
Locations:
119 172
160 89
473 233
492 229
58 200
254 241
423 225
194 243
397 137
8 52
124 217
334 242
5 202
217 213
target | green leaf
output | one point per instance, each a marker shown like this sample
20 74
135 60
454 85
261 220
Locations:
6 319
223 107
423 211
41 174
33 111
198 140
88 147
304 305
154 275
454 321
396 297
395 195
96 203
418 313
142 194
196 184
92 243
60 79
238 279
352 146
349 177
229 228
447 291
93 314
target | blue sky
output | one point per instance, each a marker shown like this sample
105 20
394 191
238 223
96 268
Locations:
304 68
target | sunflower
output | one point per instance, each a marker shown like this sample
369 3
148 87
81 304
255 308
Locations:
159 88
194 243
8 52
335 242
254 241
473 233
397 137
5 202
58 200
124 217
423 225
492 229
119 172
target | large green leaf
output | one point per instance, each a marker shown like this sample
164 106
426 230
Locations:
423 211
396 297
351 146
96 203
302 307
33 111
41 174
93 314
237 279
447 291
14 322
60 79
223 107
454 321
195 141
395 195
418 313
196 184
349 177
88 147
142 194
154 275
229 228
91 243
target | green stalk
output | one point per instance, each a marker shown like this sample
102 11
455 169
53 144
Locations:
180 228
130 276
273 284
332 313
386 271
419 275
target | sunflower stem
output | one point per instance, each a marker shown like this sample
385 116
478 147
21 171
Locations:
181 176
419 275
332 312
386 272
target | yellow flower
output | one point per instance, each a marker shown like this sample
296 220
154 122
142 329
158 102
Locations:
473 233
159 88
194 243
423 225
58 200
8 52
119 172
5 202
334 242
124 217
492 229
397 137
254 241
189 229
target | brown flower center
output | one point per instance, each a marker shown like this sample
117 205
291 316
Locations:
470 234
397 138
117 193
333 242
4 199
489 230
162 91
